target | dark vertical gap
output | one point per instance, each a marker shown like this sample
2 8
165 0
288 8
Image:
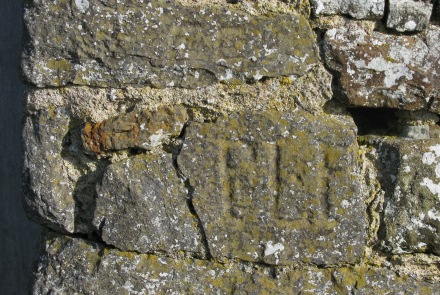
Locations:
435 16
386 12
278 179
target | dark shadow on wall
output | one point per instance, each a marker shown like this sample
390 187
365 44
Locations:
18 235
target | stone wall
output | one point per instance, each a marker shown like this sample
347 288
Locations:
234 147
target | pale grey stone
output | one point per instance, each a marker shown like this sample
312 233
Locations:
379 70
360 9
160 43
49 191
60 180
410 176
279 188
409 15
142 206
415 132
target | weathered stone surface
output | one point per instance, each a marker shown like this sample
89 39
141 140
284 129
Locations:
144 130
276 187
59 179
409 15
410 178
379 70
49 179
415 131
364 9
141 206
310 91
75 266
103 43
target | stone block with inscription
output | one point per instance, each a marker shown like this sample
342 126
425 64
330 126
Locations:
278 188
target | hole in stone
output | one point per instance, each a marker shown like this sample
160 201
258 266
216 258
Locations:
265 79
374 121
135 151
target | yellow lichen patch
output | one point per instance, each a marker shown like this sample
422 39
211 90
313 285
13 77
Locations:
62 65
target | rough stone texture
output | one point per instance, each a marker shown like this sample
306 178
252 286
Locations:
141 206
379 70
409 15
144 130
364 9
410 178
415 132
49 191
310 92
102 43
276 187
75 266
193 147
60 179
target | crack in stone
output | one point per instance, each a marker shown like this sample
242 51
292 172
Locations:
189 200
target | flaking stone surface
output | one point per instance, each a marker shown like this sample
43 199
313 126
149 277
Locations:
275 187
74 266
411 179
141 206
159 43
379 70
359 9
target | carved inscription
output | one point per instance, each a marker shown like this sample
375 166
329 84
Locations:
267 184
272 177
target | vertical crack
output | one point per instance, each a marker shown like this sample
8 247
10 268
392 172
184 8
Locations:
189 199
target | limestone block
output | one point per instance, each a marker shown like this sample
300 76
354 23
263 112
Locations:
411 177
379 70
49 178
275 187
409 15
144 130
74 266
364 9
60 180
160 43
141 206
